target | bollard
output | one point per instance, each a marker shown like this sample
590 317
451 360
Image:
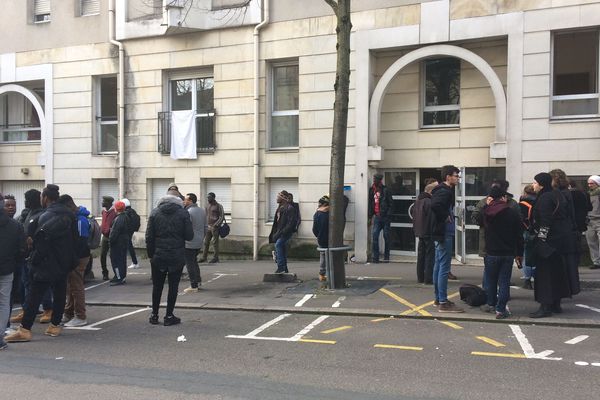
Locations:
328 266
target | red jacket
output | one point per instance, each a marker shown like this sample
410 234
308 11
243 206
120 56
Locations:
107 219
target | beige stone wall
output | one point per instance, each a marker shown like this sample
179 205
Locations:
478 8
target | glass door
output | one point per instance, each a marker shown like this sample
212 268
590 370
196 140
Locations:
404 188
460 219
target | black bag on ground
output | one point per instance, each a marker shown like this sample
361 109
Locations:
472 295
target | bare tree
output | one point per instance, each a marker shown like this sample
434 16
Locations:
341 9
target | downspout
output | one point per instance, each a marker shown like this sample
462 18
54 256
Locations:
257 28
121 89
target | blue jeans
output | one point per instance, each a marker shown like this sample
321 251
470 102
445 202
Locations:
441 268
380 224
497 272
281 253
528 270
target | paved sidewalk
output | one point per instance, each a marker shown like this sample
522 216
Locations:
377 290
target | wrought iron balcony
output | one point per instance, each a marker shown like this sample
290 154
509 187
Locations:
205 132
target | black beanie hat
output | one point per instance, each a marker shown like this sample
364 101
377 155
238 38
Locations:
544 179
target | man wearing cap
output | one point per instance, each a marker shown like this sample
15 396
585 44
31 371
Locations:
108 216
321 231
380 204
215 215
593 228
119 243
284 225
173 190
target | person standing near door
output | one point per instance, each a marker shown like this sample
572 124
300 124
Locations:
423 223
380 204
108 216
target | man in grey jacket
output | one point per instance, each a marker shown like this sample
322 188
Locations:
192 247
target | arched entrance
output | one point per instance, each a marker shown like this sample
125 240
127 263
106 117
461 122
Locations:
35 100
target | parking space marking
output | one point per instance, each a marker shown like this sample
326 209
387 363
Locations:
507 355
218 276
317 341
93 326
577 339
338 302
96 285
296 338
451 325
490 341
387 278
306 298
413 307
268 324
341 328
588 307
393 346
528 349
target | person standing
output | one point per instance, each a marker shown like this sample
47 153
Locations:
192 247
526 204
380 205
321 231
592 235
284 226
54 256
442 205
119 243
134 225
12 252
423 223
169 226
108 216
215 215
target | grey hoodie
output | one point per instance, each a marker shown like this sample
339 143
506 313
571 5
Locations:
198 216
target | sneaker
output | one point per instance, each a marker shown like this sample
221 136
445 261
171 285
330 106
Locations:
322 277
117 282
502 315
273 254
452 277
279 271
21 335
595 266
527 284
153 319
53 330
436 303
46 317
171 320
134 266
104 276
450 307
3 344
75 322
17 318
65 319
191 290
201 260
214 261
486 308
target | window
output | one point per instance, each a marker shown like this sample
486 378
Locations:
18 189
222 190
284 106
107 124
158 189
276 185
19 121
89 7
104 187
441 93
41 11
575 75
191 93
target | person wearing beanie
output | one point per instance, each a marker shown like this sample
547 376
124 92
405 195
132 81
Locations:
592 235
553 229
380 206
284 226
321 231
133 220
108 216
119 243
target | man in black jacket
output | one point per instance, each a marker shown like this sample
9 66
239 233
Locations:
12 252
380 205
321 231
119 244
423 222
284 225
169 226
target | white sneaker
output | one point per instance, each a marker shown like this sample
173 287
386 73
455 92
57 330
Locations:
191 290
76 322
65 319
134 266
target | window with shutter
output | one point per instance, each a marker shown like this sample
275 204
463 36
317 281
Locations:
222 190
104 187
158 189
41 11
90 7
276 185
18 189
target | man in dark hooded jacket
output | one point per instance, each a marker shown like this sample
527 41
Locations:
423 222
169 226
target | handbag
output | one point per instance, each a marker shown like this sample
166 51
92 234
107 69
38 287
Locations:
224 229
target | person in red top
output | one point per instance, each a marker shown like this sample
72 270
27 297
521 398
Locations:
108 216
380 204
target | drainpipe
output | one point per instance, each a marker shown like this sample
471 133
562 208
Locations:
121 89
257 28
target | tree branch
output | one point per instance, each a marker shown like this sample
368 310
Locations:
333 5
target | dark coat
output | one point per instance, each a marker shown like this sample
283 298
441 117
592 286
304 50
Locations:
169 226
119 232
442 199
13 245
385 202
503 230
321 228
582 205
284 223
423 217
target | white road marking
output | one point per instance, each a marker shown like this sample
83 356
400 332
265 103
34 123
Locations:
306 298
588 307
268 324
582 363
596 364
338 302
577 339
362 278
219 275
309 328
528 349
93 326
96 285
295 338
515 287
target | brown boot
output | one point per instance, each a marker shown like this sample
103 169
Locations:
46 317
21 335
17 318
53 330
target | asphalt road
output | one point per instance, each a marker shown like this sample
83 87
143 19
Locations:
253 355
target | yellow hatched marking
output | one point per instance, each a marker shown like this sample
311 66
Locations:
429 303
341 328
317 341
490 341
393 346
507 355
451 325
413 307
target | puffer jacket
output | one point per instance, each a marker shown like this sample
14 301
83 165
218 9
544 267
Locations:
169 226
12 238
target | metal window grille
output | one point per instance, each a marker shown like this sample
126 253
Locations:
205 132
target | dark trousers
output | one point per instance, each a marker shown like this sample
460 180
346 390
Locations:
192 267
37 291
159 274
105 246
425 260
118 259
497 273
46 299
380 224
17 291
134 259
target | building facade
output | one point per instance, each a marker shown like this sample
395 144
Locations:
236 97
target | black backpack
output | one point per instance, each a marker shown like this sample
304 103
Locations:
472 295
133 220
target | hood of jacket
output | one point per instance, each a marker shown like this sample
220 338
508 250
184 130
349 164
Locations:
423 195
83 212
494 208
169 204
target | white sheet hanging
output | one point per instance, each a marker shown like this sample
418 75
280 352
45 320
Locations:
183 135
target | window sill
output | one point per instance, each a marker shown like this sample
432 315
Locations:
283 150
107 153
22 143
554 120
438 129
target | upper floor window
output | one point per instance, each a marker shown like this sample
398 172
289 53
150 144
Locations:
41 11
107 122
575 75
19 122
441 93
89 7
284 106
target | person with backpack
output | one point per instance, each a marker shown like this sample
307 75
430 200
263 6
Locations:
134 223
108 216
321 231
526 204
215 215
119 242
284 225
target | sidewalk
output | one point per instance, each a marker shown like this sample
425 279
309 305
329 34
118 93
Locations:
376 290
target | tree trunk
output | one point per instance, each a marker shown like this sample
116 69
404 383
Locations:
338 142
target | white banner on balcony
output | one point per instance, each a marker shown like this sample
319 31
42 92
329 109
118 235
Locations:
183 135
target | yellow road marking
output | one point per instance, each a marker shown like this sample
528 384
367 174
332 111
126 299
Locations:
341 328
451 325
490 341
507 355
393 346
429 303
382 319
317 341
413 307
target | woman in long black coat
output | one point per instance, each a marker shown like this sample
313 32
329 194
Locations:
553 226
